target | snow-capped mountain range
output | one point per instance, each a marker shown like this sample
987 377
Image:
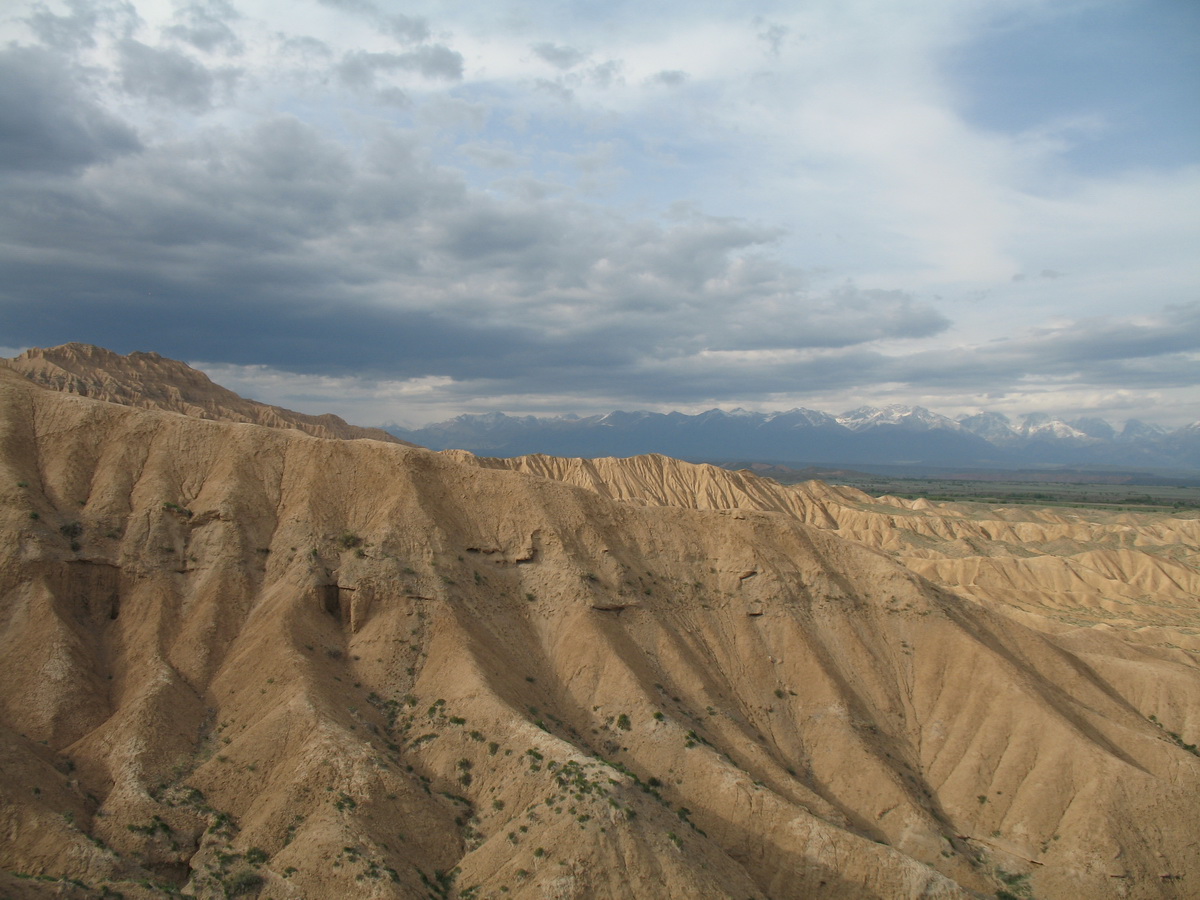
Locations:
867 435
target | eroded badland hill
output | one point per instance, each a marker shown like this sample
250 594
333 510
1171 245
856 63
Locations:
151 381
245 661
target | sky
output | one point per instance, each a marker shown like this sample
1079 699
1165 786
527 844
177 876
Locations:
401 212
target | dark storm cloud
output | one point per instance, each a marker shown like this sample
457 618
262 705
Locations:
278 245
1175 330
47 123
1154 354
319 251
403 28
1153 351
359 68
85 18
845 317
434 61
166 76
479 235
1155 357
297 331
69 32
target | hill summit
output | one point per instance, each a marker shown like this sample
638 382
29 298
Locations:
151 381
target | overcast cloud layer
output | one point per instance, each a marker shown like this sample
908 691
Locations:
401 213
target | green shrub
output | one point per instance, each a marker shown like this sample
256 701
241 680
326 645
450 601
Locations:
244 882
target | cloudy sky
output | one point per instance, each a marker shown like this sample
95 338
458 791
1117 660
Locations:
404 211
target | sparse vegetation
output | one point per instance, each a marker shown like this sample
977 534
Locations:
1174 736
243 882
256 856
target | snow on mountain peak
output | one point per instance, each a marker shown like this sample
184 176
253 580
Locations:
916 417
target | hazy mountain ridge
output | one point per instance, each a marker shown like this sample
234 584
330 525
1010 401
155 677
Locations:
867 435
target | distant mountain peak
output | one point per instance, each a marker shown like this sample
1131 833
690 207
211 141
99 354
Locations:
867 435
895 414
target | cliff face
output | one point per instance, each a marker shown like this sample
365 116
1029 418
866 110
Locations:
150 381
242 660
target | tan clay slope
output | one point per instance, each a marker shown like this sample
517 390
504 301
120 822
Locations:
659 480
1055 568
150 381
241 658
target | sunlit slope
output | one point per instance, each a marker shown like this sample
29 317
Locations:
1054 568
238 659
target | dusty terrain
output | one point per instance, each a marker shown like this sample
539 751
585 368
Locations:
1054 569
246 661
151 381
